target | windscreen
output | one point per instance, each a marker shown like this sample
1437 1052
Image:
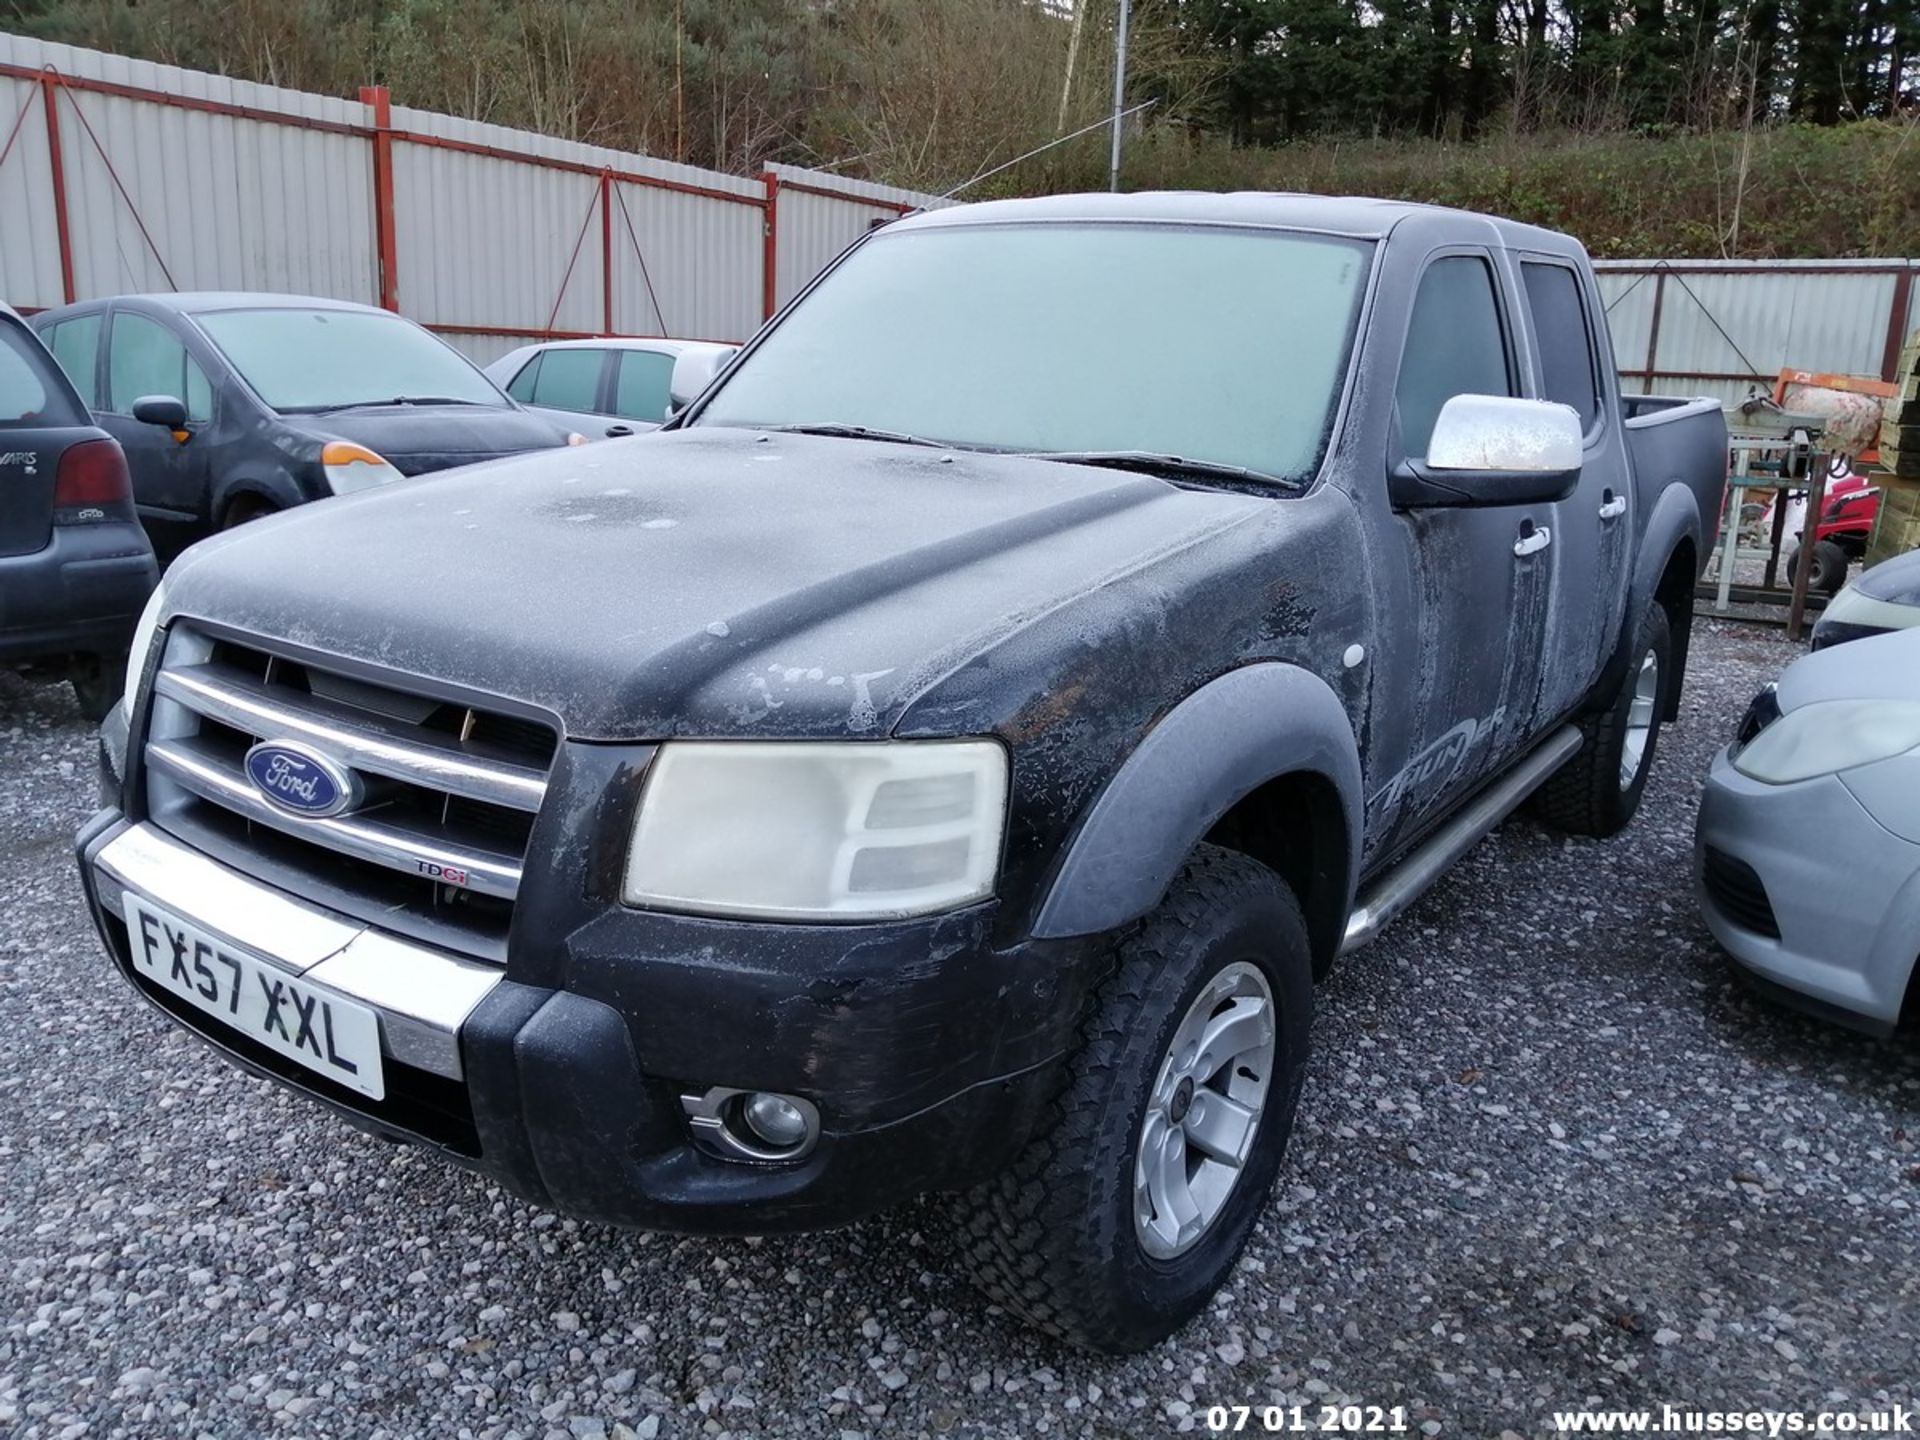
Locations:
1210 343
306 360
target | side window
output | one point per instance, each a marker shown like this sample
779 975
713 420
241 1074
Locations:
1565 338
146 358
76 345
569 379
1456 345
521 387
643 386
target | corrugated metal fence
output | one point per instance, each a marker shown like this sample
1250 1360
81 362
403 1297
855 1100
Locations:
1718 327
119 175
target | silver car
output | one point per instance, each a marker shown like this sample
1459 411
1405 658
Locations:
1887 597
1808 848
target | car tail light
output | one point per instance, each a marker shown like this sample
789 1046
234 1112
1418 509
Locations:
91 480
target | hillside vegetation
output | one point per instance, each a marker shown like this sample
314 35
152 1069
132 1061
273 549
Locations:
1647 127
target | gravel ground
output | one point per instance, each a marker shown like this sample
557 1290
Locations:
1550 1152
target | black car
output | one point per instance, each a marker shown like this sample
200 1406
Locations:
946 764
75 567
232 406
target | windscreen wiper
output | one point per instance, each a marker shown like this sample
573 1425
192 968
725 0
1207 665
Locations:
374 404
855 432
1148 462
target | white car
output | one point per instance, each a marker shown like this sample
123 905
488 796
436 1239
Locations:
610 387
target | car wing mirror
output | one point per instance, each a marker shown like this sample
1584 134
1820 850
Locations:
1494 450
164 411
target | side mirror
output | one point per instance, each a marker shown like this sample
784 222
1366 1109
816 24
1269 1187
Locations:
162 410
1494 450
693 371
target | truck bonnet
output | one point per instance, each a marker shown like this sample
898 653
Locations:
713 582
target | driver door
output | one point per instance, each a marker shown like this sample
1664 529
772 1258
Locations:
172 478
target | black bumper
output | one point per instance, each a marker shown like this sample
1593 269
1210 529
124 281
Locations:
80 594
930 1054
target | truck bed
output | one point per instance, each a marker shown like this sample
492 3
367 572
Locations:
1676 438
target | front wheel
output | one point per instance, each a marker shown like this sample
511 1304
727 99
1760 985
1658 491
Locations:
1598 791
1116 1226
97 681
244 510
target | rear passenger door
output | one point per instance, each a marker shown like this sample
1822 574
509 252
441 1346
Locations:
1483 573
1590 526
172 478
642 388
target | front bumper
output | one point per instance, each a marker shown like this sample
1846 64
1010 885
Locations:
929 1054
1841 889
80 594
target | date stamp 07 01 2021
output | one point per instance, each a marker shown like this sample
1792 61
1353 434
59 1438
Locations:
1307 1419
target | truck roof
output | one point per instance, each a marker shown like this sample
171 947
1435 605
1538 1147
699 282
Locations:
1355 215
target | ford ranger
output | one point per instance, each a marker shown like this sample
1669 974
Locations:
944 757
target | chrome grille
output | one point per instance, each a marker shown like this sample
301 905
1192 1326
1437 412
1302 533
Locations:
450 788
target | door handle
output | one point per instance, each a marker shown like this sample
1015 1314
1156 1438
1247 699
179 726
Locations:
1615 507
1533 541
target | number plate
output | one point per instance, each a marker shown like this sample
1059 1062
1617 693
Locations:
324 1032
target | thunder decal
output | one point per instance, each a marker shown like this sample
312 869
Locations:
1431 771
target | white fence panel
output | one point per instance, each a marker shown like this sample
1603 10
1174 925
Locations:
1720 322
1628 299
29 239
686 276
226 202
486 242
813 227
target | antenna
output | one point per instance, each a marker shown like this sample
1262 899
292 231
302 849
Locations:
1100 124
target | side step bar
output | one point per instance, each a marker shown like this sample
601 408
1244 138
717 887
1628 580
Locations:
1406 882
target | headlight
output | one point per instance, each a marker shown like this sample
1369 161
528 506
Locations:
144 629
353 467
805 831
1827 736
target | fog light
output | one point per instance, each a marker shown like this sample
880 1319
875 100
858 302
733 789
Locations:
775 1119
753 1124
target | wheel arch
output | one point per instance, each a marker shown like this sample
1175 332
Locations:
1261 760
1666 568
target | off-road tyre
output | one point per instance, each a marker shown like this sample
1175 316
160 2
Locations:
1052 1238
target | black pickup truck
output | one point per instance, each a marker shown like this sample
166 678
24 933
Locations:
946 756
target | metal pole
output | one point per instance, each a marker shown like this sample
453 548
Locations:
1119 94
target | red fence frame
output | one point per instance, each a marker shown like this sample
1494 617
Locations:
382 136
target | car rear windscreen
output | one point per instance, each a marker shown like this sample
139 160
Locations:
31 392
